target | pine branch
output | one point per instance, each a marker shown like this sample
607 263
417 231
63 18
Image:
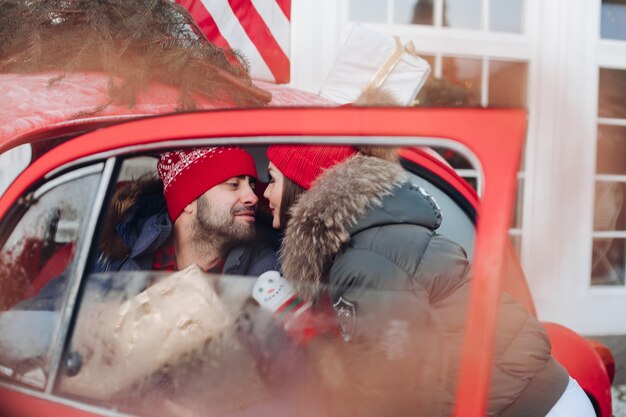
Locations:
134 41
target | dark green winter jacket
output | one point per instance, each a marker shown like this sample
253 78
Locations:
400 293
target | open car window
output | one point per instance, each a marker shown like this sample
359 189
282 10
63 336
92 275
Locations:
458 213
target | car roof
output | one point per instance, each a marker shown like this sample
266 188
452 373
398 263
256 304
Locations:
48 105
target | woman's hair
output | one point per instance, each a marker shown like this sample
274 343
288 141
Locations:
291 192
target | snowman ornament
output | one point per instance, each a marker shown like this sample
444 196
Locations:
271 290
276 294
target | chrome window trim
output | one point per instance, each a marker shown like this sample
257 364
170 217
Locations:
61 332
70 176
265 140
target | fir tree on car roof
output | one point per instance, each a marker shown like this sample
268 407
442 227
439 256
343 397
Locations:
134 41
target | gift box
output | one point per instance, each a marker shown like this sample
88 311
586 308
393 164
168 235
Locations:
370 59
122 344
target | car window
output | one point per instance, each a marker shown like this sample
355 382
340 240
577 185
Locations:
194 344
153 343
457 224
36 261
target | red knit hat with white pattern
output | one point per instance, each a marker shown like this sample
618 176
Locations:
303 164
188 174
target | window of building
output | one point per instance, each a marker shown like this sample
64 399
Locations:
487 15
608 260
609 236
613 19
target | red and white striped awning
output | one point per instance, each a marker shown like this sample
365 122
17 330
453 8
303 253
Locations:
259 29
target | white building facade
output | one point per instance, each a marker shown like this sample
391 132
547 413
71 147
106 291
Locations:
563 60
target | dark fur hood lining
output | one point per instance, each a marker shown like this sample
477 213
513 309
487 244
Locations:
322 216
124 199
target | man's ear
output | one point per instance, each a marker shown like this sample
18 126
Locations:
190 208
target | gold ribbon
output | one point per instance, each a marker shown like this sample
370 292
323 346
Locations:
383 72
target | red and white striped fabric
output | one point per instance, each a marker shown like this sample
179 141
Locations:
259 29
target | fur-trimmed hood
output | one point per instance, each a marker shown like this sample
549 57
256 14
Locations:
339 204
131 206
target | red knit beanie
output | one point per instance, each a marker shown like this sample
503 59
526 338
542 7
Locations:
188 174
303 164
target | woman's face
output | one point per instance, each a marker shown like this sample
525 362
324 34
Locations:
274 193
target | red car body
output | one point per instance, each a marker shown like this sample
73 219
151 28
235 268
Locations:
481 131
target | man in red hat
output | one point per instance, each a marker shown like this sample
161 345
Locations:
201 209
208 217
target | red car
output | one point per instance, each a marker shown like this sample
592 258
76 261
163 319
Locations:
52 215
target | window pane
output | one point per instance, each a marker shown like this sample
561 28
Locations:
613 19
608 262
507 83
374 11
466 74
459 87
35 266
609 206
612 91
438 92
611 158
506 15
419 12
462 14
228 355
609 216
431 61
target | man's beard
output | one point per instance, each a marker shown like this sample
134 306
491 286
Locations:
219 228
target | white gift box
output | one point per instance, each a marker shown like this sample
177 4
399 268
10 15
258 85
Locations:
122 344
371 59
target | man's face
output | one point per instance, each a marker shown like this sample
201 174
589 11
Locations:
225 214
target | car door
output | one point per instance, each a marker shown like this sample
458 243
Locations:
497 148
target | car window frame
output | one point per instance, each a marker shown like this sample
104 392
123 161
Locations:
79 266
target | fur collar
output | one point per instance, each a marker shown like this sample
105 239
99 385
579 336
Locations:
322 217
125 198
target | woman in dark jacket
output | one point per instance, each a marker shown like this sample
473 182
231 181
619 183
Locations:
354 224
